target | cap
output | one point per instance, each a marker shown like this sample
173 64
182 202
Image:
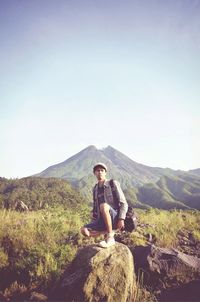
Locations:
100 165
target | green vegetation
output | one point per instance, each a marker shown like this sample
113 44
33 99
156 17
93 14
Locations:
165 226
173 190
180 191
36 246
165 229
38 193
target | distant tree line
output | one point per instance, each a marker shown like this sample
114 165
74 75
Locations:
38 193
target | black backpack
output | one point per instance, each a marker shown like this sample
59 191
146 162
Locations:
130 221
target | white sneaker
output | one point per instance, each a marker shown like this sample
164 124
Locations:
107 243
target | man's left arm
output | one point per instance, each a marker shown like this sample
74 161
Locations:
123 205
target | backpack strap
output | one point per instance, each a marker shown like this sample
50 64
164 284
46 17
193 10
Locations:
94 189
114 193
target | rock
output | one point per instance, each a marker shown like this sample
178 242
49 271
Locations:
2 297
165 268
97 274
187 243
189 292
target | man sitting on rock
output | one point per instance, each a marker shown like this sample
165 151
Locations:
108 214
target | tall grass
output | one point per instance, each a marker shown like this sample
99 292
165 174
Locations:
140 294
36 244
165 225
35 247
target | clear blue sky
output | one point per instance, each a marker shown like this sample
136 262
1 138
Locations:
101 72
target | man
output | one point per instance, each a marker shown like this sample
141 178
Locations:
108 214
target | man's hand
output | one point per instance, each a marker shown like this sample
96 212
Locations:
92 216
120 224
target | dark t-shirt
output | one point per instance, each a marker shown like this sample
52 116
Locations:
100 194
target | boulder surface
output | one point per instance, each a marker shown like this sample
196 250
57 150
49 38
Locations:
172 274
98 274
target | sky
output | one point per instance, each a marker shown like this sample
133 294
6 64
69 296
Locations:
99 72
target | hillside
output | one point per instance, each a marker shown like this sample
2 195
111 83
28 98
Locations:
38 193
195 172
181 191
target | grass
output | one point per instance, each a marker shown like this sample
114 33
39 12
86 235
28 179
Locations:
36 244
36 247
140 294
165 225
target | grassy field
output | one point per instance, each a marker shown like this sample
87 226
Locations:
36 246
165 226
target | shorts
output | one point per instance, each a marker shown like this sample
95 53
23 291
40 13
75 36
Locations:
99 224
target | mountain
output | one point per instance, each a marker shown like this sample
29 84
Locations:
143 186
127 171
78 169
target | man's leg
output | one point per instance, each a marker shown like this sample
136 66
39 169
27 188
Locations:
103 225
105 212
91 233
109 239
95 228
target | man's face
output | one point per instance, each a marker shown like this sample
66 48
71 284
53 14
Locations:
100 173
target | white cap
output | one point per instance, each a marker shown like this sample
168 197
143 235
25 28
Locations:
100 165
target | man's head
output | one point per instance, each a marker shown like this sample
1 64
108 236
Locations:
99 165
99 171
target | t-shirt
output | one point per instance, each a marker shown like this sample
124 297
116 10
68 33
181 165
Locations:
100 194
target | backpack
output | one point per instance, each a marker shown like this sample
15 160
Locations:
130 221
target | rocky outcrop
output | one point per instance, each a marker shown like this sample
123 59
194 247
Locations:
187 243
168 270
108 275
98 274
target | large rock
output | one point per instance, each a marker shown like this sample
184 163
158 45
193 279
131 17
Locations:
168 271
98 274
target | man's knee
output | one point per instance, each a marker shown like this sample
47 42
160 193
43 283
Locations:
104 208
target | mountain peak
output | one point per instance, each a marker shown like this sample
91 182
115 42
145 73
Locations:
109 148
89 148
